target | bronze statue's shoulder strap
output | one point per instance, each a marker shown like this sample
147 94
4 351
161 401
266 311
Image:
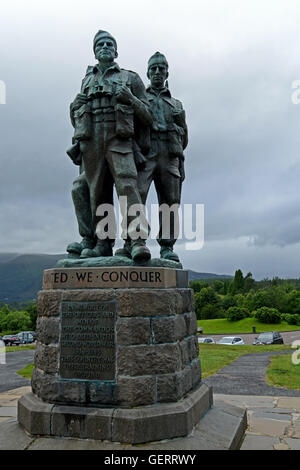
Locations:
86 80
124 76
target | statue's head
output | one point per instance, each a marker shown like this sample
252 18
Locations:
157 70
105 46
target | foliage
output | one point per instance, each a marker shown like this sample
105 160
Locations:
14 321
208 304
236 313
223 326
267 315
291 319
215 297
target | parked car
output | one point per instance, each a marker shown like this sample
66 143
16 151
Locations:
231 340
272 337
205 340
26 337
11 340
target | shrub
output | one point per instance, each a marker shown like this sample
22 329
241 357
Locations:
236 313
267 315
210 311
291 318
229 301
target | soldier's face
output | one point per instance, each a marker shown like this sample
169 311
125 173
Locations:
105 50
158 73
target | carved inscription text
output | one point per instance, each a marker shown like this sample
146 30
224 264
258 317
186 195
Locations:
87 340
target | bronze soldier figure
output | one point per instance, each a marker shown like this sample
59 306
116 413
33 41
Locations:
112 119
165 162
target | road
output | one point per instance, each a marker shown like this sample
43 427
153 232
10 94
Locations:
288 336
15 361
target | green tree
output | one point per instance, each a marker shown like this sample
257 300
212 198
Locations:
218 286
32 310
291 302
15 322
236 313
237 284
228 301
267 315
249 282
5 310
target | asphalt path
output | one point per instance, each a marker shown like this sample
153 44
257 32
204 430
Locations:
17 360
247 376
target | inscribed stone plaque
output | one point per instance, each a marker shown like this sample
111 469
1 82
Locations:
87 340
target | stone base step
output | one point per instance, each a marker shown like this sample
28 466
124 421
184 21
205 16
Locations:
221 428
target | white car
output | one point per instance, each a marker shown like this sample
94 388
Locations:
231 340
206 340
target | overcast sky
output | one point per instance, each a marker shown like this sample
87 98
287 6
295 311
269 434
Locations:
231 63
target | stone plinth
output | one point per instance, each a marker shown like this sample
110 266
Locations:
130 353
114 278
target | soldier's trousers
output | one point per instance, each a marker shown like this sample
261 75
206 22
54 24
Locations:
109 160
165 174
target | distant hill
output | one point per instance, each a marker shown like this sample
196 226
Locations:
21 275
194 276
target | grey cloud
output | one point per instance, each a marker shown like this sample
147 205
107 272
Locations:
235 81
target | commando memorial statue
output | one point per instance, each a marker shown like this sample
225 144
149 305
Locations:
112 121
117 353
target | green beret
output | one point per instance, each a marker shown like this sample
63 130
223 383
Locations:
103 34
157 58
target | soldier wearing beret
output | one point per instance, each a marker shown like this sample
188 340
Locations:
165 161
112 120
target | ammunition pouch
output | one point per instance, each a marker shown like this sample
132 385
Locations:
124 120
83 123
139 158
75 154
175 142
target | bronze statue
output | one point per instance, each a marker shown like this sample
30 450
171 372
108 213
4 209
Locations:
112 119
161 161
165 161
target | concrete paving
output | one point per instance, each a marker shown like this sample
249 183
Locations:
273 424
221 428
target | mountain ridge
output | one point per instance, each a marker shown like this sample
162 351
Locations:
21 275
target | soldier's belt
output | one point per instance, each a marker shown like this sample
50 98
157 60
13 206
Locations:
109 117
157 135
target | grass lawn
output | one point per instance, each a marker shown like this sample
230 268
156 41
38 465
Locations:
19 348
224 326
215 356
27 371
283 373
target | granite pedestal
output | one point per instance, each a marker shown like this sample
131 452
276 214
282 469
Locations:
116 357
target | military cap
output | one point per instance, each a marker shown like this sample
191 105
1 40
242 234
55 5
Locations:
157 58
103 34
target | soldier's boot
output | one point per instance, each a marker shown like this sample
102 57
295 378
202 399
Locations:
75 249
102 248
166 252
139 251
124 252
